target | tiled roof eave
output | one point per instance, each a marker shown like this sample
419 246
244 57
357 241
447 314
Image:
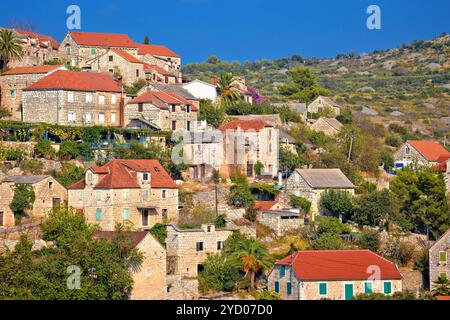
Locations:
66 89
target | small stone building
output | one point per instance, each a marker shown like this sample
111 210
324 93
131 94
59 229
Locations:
150 280
281 221
323 102
162 57
311 183
329 126
333 275
139 192
48 192
440 259
422 153
73 98
13 81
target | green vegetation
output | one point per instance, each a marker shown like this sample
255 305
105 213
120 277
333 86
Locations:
10 46
23 200
337 203
159 231
69 174
213 114
44 149
302 85
300 203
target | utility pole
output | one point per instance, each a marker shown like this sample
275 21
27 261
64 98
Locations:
351 147
217 201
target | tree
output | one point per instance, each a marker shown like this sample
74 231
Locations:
369 240
10 47
328 241
69 174
44 149
228 90
376 209
219 273
259 168
212 114
337 202
241 196
147 40
441 286
23 199
300 203
290 161
302 85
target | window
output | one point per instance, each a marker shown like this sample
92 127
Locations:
174 125
113 117
125 194
282 271
199 246
407 150
145 176
80 195
277 287
13 93
14 78
101 118
323 288
387 287
68 51
111 58
93 51
137 73
98 195
101 99
113 99
442 257
98 214
1 218
89 98
288 288
71 117
368 287
164 194
219 245
50 185
188 109
145 218
87 117
140 107
70 97
126 214
188 125
145 194
174 108
164 213
270 147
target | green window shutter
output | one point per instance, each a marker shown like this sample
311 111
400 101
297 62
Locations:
323 289
387 288
289 288
443 257
13 93
368 287
98 214
126 214
282 271
277 287
93 51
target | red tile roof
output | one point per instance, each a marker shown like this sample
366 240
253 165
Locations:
159 70
431 150
339 265
159 98
127 56
96 39
31 70
264 205
245 125
155 50
148 97
41 37
77 81
133 238
121 174
443 298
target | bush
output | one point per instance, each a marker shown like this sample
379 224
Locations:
33 166
328 241
11 154
332 225
220 221
44 149
73 150
219 274
23 199
251 214
259 168
402 252
159 231
337 202
69 174
300 203
266 295
369 240
241 196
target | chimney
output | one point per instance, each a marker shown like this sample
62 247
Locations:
214 80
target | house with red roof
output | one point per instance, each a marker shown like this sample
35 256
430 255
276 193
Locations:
333 275
140 192
422 153
155 73
160 56
80 47
73 98
161 111
14 80
248 144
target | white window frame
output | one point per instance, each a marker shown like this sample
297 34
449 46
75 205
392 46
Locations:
101 118
101 99
70 97
89 97
113 99
113 117
71 117
88 117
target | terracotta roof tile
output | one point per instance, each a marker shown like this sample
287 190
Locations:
338 265
102 39
134 238
77 81
155 50
31 70
127 56
431 150
264 205
42 38
149 97
159 70
245 125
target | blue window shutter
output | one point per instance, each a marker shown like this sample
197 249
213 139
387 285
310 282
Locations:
282 271
126 214
368 287
387 288
323 289
277 287
98 214
289 288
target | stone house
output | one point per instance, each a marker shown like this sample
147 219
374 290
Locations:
281 221
170 88
322 102
333 275
139 192
13 81
48 192
246 143
329 126
73 98
311 183
36 49
439 255
160 56
163 111
422 153
81 47
150 281
119 63
287 141
154 73
187 249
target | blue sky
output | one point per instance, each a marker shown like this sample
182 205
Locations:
244 29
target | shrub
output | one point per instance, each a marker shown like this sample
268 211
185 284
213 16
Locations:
11 154
241 196
369 240
219 274
23 199
300 203
73 150
266 295
259 168
251 214
69 174
336 202
220 221
44 149
328 241
33 166
159 231
402 252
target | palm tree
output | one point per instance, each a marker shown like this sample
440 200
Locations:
253 257
10 47
442 286
228 90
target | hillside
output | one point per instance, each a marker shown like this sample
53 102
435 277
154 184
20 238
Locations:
413 79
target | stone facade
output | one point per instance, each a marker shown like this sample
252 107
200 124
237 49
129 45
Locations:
171 64
48 192
188 249
322 102
181 288
408 154
76 108
330 127
282 222
440 259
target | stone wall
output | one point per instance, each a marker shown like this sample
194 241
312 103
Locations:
181 288
279 225
412 156
436 267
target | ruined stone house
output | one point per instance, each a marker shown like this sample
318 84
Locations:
321 103
439 256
